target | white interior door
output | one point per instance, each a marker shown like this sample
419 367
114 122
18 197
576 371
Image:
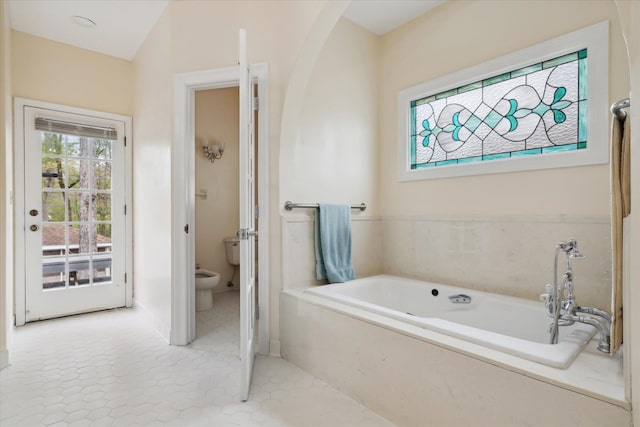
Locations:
247 231
74 213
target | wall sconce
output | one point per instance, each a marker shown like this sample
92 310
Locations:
213 152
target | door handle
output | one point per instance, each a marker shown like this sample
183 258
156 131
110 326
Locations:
34 227
246 233
33 212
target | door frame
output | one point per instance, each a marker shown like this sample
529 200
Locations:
183 317
19 188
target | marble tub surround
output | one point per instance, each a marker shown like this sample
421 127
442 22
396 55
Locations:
369 357
509 255
299 262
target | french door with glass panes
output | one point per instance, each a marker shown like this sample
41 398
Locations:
74 200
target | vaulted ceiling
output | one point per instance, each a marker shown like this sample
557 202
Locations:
118 27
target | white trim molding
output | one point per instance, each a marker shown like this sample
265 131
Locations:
157 324
183 196
275 349
4 358
594 38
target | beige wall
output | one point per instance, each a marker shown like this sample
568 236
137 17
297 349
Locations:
49 71
432 46
6 184
199 35
336 145
217 118
335 153
153 100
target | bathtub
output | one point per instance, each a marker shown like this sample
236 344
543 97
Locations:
511 325
438 366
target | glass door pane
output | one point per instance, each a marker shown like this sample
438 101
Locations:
77 211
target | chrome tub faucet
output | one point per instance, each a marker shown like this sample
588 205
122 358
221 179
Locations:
560 301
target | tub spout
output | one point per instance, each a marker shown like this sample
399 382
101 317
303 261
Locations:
603 328
595 312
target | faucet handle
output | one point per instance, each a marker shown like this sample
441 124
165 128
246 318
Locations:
547 296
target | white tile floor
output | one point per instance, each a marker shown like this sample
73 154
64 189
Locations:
112 369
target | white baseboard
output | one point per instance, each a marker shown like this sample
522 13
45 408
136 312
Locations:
158 325
4 358
274 348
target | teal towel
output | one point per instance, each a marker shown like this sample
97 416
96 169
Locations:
333 243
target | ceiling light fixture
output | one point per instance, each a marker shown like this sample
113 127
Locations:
84 21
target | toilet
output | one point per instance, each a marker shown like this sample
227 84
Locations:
206 282
232 246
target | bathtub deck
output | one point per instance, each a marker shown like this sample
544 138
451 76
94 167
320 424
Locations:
591 373
414 376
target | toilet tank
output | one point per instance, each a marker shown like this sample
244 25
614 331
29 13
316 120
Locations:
232 245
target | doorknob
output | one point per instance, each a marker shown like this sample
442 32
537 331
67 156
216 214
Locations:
246 233
34 227
33 212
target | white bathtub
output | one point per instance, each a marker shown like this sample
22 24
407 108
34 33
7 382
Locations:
512 325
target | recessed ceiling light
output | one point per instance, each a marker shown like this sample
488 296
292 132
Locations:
84 21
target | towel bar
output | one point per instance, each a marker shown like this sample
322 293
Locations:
288 205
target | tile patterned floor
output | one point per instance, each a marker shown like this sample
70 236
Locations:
112 369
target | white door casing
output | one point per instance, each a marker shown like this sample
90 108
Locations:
183 329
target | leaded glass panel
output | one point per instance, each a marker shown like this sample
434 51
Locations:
533 110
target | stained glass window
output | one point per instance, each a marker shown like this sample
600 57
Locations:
535 110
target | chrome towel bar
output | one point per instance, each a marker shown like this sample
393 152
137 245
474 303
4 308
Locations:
288 205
